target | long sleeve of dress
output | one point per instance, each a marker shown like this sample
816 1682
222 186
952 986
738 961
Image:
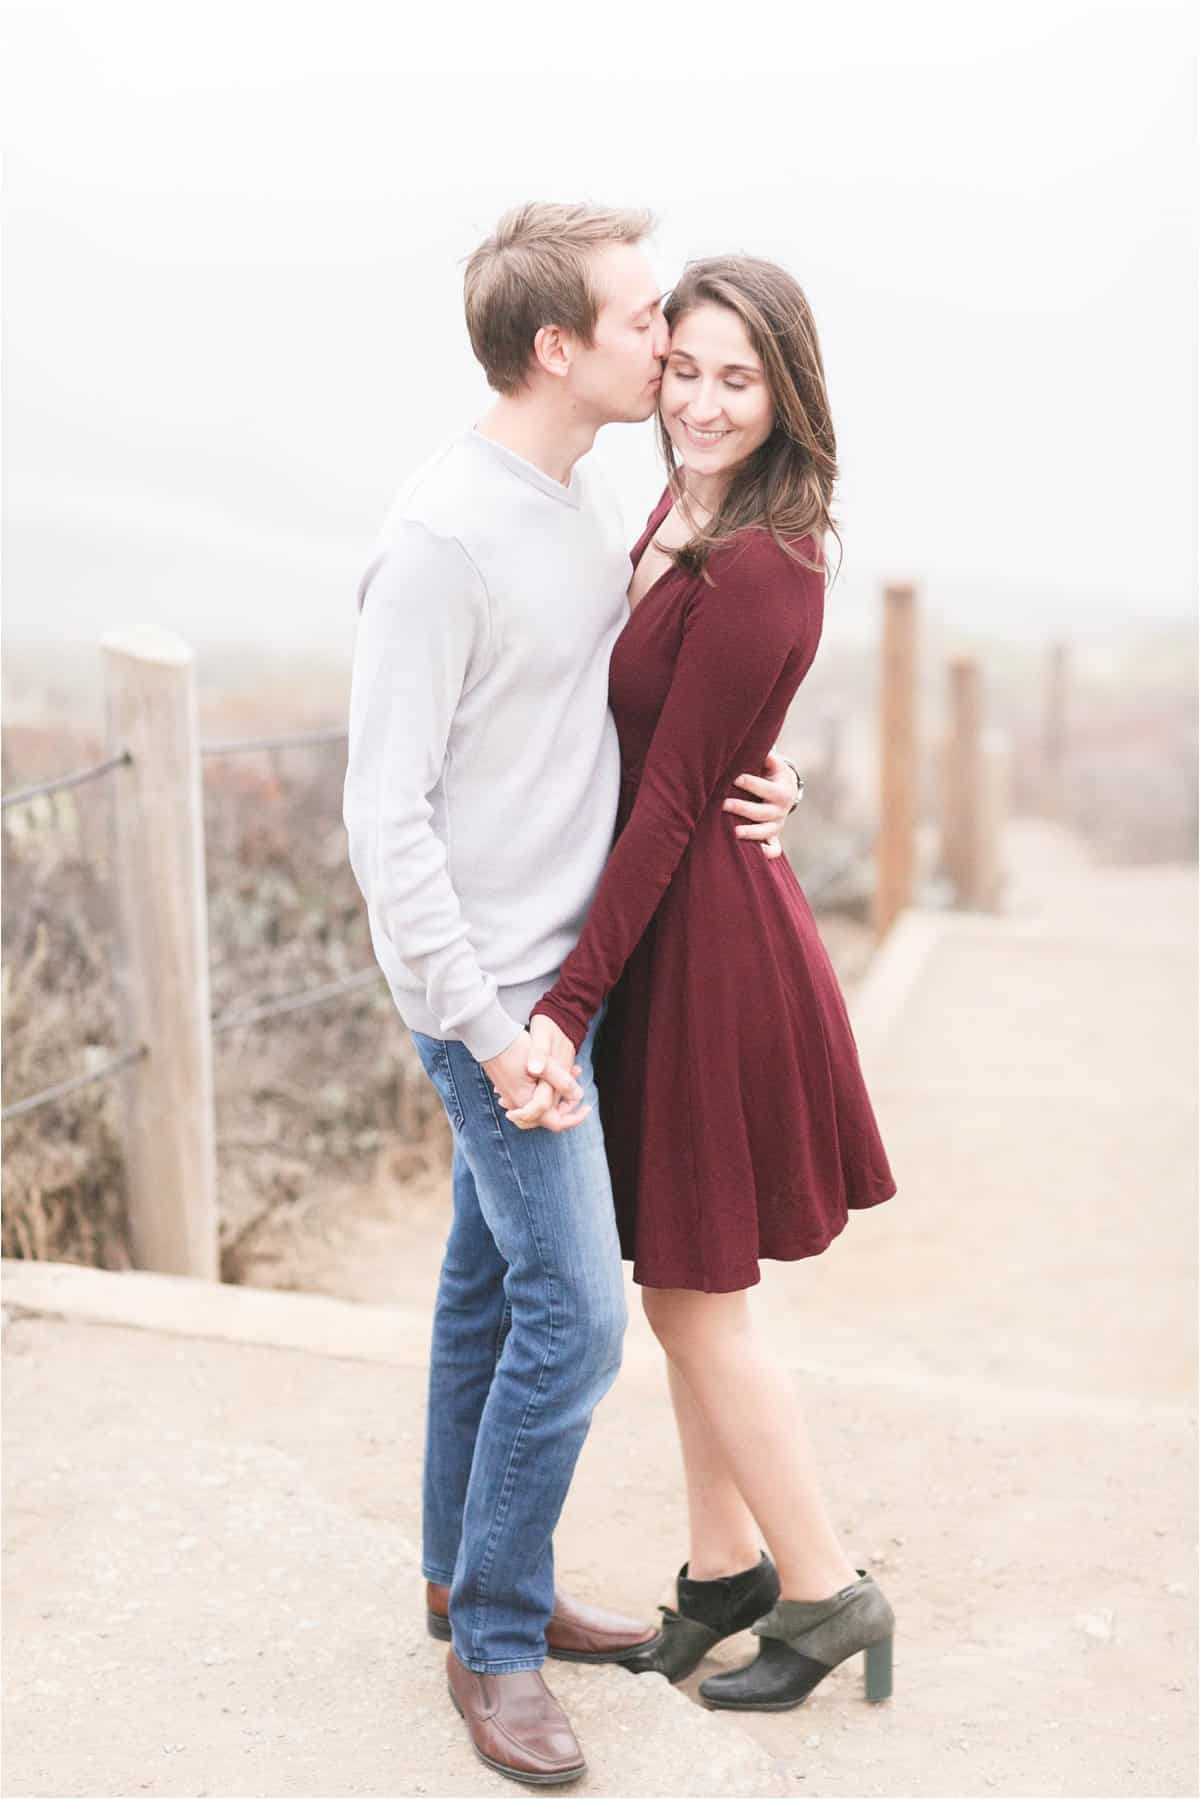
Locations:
738 637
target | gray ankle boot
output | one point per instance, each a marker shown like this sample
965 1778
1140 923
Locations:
802 1641
725 1607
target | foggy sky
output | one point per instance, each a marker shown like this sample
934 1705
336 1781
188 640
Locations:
232 264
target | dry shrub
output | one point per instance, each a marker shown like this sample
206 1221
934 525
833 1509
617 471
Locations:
63 1175
303 1100
314 1097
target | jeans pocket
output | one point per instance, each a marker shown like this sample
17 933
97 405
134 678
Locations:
435 1060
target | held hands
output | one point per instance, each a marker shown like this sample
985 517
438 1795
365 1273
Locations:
531 1080
778 791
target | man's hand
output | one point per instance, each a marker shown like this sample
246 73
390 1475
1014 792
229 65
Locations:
532 1082
777 792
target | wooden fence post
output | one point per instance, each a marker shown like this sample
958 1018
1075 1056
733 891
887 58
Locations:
162 953
961 785
830 782
1054 730
975 782
995 781
897 757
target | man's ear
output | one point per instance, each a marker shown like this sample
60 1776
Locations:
552 349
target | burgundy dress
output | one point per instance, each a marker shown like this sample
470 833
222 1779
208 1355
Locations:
735 1115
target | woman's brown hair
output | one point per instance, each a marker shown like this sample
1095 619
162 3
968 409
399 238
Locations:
786 486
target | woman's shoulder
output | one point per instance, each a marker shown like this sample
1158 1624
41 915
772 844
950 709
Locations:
755 554
756 583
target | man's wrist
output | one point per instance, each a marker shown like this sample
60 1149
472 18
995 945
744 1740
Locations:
490 1032
799 784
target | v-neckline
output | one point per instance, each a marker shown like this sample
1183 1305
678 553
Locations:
645 541
671 569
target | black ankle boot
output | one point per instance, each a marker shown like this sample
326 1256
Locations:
708 1612
804 1640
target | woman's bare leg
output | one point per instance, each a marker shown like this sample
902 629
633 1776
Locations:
722 1535
754 1422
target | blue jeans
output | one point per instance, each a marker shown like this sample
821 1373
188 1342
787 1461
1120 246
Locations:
527 1334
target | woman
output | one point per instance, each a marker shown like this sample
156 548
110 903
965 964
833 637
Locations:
724 1013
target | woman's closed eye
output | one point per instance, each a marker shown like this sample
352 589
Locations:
736 387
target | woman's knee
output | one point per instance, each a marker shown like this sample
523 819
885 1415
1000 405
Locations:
692 1325
663 1314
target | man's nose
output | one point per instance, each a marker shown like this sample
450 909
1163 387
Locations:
661 339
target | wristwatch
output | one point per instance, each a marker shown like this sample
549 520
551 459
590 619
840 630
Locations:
799 784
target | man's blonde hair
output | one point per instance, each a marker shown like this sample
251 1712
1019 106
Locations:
533 271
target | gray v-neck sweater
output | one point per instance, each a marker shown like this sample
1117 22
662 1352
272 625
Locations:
481 790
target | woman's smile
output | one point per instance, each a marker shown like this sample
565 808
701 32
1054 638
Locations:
702 438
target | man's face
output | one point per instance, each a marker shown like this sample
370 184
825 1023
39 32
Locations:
617 379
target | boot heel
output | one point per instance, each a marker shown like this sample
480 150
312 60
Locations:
878 1671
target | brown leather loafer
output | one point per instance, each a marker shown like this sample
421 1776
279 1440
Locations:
516 1725
575 1633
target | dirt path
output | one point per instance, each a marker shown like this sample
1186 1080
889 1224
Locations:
997 1368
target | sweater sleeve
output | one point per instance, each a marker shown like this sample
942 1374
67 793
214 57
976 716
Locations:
423 638
737 639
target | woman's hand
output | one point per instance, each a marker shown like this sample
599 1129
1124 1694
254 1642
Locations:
515 1073
777 793
547 1109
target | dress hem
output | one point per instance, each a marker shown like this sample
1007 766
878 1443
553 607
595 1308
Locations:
751 1274
874 1199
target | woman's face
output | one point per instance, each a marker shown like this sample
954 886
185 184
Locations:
714 401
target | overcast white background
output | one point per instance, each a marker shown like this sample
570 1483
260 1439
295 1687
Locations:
233 239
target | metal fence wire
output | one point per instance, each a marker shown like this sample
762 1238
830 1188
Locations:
76 780
300 997
289 1002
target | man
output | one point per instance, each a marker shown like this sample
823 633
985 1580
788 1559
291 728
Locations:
480 803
